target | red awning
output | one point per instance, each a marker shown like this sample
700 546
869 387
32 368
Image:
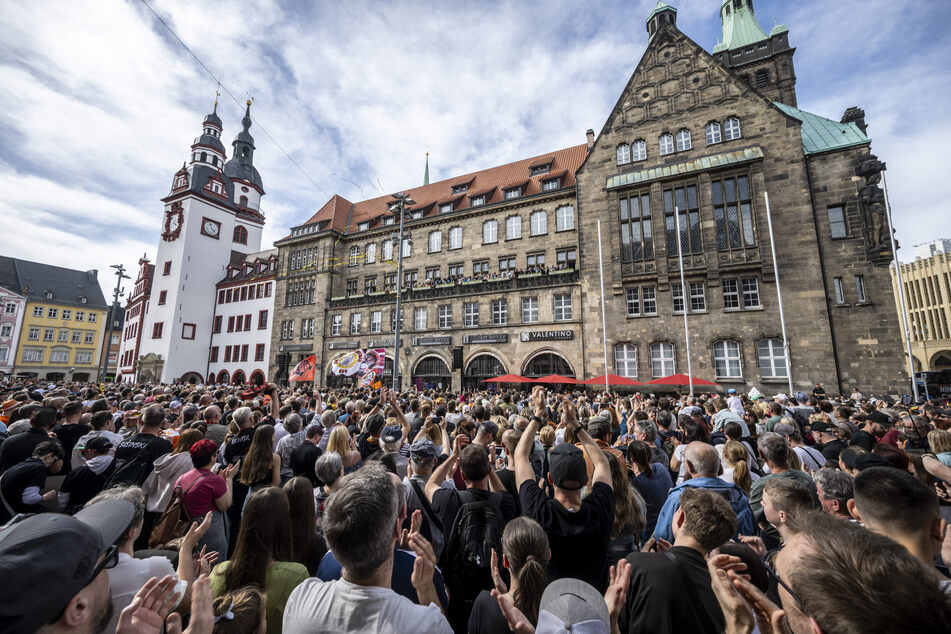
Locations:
508 378
681 379
613 379
556 378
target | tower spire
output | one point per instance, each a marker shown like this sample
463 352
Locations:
426 173
739 25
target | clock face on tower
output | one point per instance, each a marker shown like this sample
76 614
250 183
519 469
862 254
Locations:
173 223
210 228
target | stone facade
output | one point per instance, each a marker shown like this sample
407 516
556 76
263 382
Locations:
927 289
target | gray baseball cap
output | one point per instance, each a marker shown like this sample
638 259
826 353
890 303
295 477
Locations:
571 605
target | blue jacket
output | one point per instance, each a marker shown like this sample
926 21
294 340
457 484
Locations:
732 493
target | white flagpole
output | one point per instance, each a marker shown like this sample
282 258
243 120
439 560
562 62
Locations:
604 327
779 293
683 295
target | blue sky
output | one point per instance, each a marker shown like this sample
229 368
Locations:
100 104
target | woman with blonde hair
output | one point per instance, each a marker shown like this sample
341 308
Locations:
940 443
341 443
736 469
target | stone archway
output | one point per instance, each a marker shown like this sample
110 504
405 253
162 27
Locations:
430 372
238 377
941 360
222 378
480 367
257 378
546 362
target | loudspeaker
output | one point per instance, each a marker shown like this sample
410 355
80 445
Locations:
457 358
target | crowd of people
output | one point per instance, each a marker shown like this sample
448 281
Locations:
240 509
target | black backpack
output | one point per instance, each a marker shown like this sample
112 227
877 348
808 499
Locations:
467 557
133 471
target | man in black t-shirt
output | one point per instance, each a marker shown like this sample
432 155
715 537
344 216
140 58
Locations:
237 446
85 481
19 447
670 591
304 457
829 443
578 530
71 430
147 443
20 485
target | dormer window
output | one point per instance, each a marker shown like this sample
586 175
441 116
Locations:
49 295
538 170
415 215
180 181
460 189
513 192
389 220
475 201
216 187
445 208
551 184
363 226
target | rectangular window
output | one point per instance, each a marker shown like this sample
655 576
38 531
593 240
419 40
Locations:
683 198
839 290
387 250
33 355
750 292
221 297
536 170
562 307
507 264
352 287
480 267
244 293
393 320
529 310
500 312
37 311
213 355
662 359
231 323
389 280
632 299
513 192
698 298
726 360
244 352
445 208
167 268
407 248
227 354
63 336
566 258
410 278
471 314
837 222
445 316
455 238
259 352
731 295
85 356
513 227
48 334
535 259
772 359
369 285
262 319
551 184
649 300
363 226
336 323
89 337
456 270
862 298
59 356
162 296
733 212
419 318
490 231
637 237
355 322
157 330
435 242
538 223
370 256
77 337
80 315
376 321
476 201
67 314
354 256
677 295
34 334
93 317
565 218
52 313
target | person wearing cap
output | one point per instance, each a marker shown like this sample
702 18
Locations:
827 439
422 461
59 564
20 485
18 448
368 442
391 441
85 481
734 402
102 426
579 530
6 408
670 591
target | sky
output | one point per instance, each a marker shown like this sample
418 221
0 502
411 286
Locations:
99 103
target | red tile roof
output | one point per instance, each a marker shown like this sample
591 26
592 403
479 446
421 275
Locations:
342 215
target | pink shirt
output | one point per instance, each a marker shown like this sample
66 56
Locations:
200 496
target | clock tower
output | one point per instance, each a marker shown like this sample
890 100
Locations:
211 219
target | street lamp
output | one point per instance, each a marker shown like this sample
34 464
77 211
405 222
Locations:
107 343
398 206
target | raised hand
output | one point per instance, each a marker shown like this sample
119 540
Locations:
616 594
149 607
425 562
737 612
514 617
497 574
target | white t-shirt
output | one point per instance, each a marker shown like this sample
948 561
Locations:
340 606
679 455
128 576
728 475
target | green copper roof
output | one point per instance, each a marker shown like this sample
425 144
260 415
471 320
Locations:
821 135
740 26
696 165
660 6
777 28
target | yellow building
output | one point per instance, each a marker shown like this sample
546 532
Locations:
63 323
927 286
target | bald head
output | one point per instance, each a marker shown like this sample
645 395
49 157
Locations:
702 460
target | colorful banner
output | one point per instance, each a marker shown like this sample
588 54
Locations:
304 370
366 365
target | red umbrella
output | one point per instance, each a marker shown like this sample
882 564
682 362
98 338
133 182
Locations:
555 378
681 379
507 378
613 379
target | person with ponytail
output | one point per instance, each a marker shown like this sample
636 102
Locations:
736 468
525 555
241 612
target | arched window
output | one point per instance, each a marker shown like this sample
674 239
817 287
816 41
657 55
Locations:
666 144
204 157
435 242
625 360
683 140
623 154
214 160
240 235
731 129
662 359
639 150
726 359
243 201
713 133
772 361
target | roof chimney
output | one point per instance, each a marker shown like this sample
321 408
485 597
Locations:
92 274
590 134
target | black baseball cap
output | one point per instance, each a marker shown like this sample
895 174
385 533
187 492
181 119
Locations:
822 426
52 557
567 469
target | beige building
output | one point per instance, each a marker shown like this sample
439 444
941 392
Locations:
927 286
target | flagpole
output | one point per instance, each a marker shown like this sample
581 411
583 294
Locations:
604 327
683 295
779 293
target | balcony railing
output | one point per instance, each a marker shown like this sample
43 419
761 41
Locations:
522 281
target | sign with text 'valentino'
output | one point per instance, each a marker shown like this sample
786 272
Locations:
547 335
496 338
432 341
343 345
381 343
